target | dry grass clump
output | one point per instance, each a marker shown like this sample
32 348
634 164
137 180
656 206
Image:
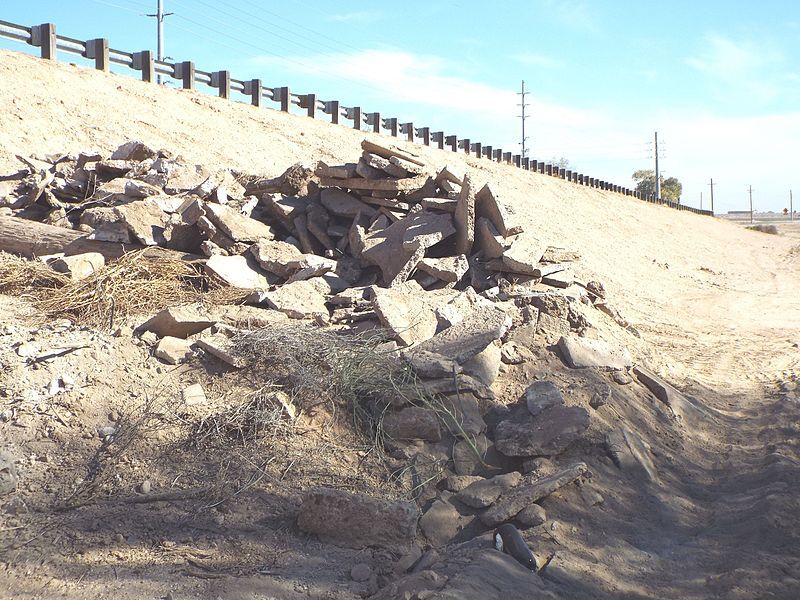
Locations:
22 277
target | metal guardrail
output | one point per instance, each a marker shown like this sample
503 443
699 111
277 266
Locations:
44 37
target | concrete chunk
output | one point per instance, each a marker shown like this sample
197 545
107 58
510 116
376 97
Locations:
179 321
173 350
465 218
524 254
547 434
488 205
489 240
237 271
276 257
402 311
449 269
79 266
465 339
235 225
300 299
484 492
581 352
342 204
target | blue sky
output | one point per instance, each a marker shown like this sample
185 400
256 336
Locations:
719 80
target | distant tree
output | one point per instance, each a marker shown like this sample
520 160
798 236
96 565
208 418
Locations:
645 180
561 163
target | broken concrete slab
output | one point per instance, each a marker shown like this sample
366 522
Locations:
179 321
400 310
488 205
547 434
679 406
390 150
560 279
219 345
485 365
464 217
173 350
134 150
440 204
411 184
581 352
237 271
235 225
450 173
412 423
184 178
426 229
465 339
284 209
449 269
342 204
357 520
194 395
488 239
485 492
280 258
144 219
524 254
431 365
516 499
300 299
79 266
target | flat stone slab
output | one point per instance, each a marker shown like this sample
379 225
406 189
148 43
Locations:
489 240
679 406
357 520
465 339
179 321
276 257
488 205
235 225
581 352
449 269
547 434
403 312
300 299
483 493
340 203
237 271
524 254
515 500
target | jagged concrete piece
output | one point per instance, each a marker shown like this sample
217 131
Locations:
388 151
465 218
581 352
489 240
678 404
342 204
524 254
488 205
465 339
449 269
276 257
547 434
237 271
513 501
300 299
235 225
400 310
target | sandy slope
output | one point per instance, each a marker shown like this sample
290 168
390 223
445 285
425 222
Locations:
696 287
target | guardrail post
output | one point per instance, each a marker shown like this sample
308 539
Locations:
452 141
391 125
548 169
309 102
143 61
476 149
333 108
506 157
526 163
534 165
374 119
98 50
222 81
464 145
488 153
542 168
517 160
438 137
44 36
425 134
185 72
568 174
283 96
407 129
354 113
253 89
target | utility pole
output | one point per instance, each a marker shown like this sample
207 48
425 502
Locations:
658 175
523 93
750 191
160 14
712 195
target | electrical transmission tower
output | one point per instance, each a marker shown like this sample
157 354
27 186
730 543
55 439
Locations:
523 116
160 14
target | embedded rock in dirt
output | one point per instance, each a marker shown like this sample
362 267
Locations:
485 365
79 266
515 500
581 352
542 395
440 523
678 404
465 339
547 434
173 350
412 423
8 473
484 492
179 321
531 516
300 299
357 520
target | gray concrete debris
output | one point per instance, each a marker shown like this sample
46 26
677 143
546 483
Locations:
276 257
547 434
412 423
431 365
524 254
485 365
219 345
194 395
680 407
133 150
404 311
449 269
542 395
342 204
357 520
300 299
450 173
235 225
173 350
483 493
237 271
488 239
511 503
179 321
79 266
488 205
465 339
581 352
465 218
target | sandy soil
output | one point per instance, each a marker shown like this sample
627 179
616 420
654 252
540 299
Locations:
717 307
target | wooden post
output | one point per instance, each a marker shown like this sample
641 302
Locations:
333 108
452 141
309 102
534 165
526 163
548 168
374 119
284 96
465 145
506 157
143 61
542 168
253 88
438 137
562 172
476 149
357 118
222 81
44 36
517 160
98 50
425 134
185 72
407 129
568 174
391 125
488 152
